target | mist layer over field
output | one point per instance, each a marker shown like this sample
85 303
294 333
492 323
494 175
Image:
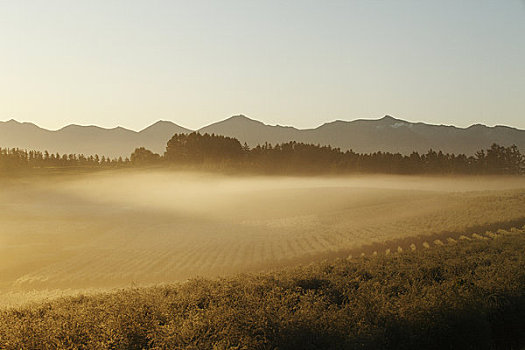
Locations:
116 229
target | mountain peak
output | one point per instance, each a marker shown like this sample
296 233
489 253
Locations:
163 122
80 127
241 118
159 124
477 126
15 124
160 132
236 121
387 119
13 121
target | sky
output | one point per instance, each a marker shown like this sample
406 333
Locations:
300 63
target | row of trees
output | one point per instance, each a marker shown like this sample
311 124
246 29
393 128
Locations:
293 157
15 158
220 152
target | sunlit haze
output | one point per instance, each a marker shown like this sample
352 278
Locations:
299 63
154 193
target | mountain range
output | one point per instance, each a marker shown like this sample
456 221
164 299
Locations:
363 136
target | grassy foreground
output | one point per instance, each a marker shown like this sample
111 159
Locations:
467 295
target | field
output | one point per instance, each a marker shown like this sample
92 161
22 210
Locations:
64 234
460 295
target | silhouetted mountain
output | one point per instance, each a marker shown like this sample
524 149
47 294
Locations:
87 139
163 130
363 136
252 131
155 136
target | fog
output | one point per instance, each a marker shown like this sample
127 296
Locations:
221 196
115 229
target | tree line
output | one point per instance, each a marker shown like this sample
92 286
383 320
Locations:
19 159
205 150
216 152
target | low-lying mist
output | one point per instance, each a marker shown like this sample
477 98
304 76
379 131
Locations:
113 229
222 196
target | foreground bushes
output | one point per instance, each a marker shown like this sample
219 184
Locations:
468 296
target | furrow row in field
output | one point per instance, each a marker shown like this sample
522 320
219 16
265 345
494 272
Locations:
167 257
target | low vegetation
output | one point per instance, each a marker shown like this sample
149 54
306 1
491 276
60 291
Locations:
468 294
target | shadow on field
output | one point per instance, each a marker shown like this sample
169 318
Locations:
392 246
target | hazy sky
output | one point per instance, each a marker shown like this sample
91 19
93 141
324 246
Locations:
297 63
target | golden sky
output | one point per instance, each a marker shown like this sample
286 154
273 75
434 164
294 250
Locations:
300 63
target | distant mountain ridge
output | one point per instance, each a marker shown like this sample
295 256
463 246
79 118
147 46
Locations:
88 140
387 134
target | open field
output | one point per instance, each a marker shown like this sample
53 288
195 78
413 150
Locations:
458 295
64 234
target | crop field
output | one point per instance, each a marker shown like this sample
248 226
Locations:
467 294
63 234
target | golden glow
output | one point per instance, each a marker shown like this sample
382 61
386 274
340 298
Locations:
62 234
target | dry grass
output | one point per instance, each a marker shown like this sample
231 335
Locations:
466 295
